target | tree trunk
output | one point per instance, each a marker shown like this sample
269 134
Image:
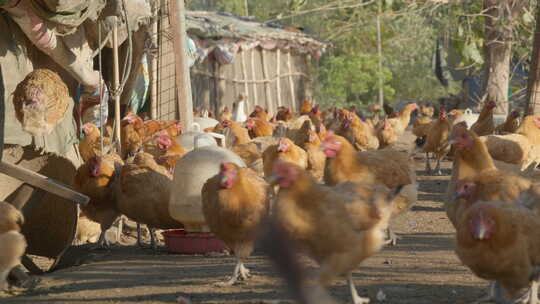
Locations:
498 49
533 90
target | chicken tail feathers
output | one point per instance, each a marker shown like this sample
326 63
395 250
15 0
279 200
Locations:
404 196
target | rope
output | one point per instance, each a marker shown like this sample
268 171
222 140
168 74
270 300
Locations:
129 58
102 44
115 92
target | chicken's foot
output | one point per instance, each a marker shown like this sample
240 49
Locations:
119 229
392 237
153 242
139 236
3 280
241 273
244 272
354 294
102 243
490 297
533 294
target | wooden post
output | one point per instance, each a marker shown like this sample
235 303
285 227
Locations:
2 117
154 68
254 78
308 81
379 54
221 86
533 90
291 81
116 84
183 79
278 76
266 76
245 79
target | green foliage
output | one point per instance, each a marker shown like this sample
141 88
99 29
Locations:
348 73
351 80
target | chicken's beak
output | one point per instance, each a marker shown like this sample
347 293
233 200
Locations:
455 196
480 232
451 140
224 179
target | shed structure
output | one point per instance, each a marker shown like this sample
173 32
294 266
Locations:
236 55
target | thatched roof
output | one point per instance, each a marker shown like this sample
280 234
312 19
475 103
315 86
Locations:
223 28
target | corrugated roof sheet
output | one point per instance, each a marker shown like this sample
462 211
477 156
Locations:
219 25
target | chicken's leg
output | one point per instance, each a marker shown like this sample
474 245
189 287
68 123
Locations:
354 294
103 243
533 296
428 165
139 236
490 296
235 276
119 229
438 167
392 237
535 282
3 280
152 232
153 241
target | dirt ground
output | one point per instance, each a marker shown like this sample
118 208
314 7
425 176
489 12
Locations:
422 268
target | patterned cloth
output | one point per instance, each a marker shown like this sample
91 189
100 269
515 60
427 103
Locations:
67 15
90 105
139 95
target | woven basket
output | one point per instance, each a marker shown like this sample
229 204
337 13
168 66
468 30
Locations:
51 97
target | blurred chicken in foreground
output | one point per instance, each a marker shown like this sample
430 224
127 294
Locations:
281 250
12 242
500 242
338 227
381 167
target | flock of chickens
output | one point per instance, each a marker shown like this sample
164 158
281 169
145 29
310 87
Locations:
332 182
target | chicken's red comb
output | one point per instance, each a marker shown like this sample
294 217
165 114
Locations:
87 126
329 134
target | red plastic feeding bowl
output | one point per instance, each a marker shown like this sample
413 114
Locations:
181 241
